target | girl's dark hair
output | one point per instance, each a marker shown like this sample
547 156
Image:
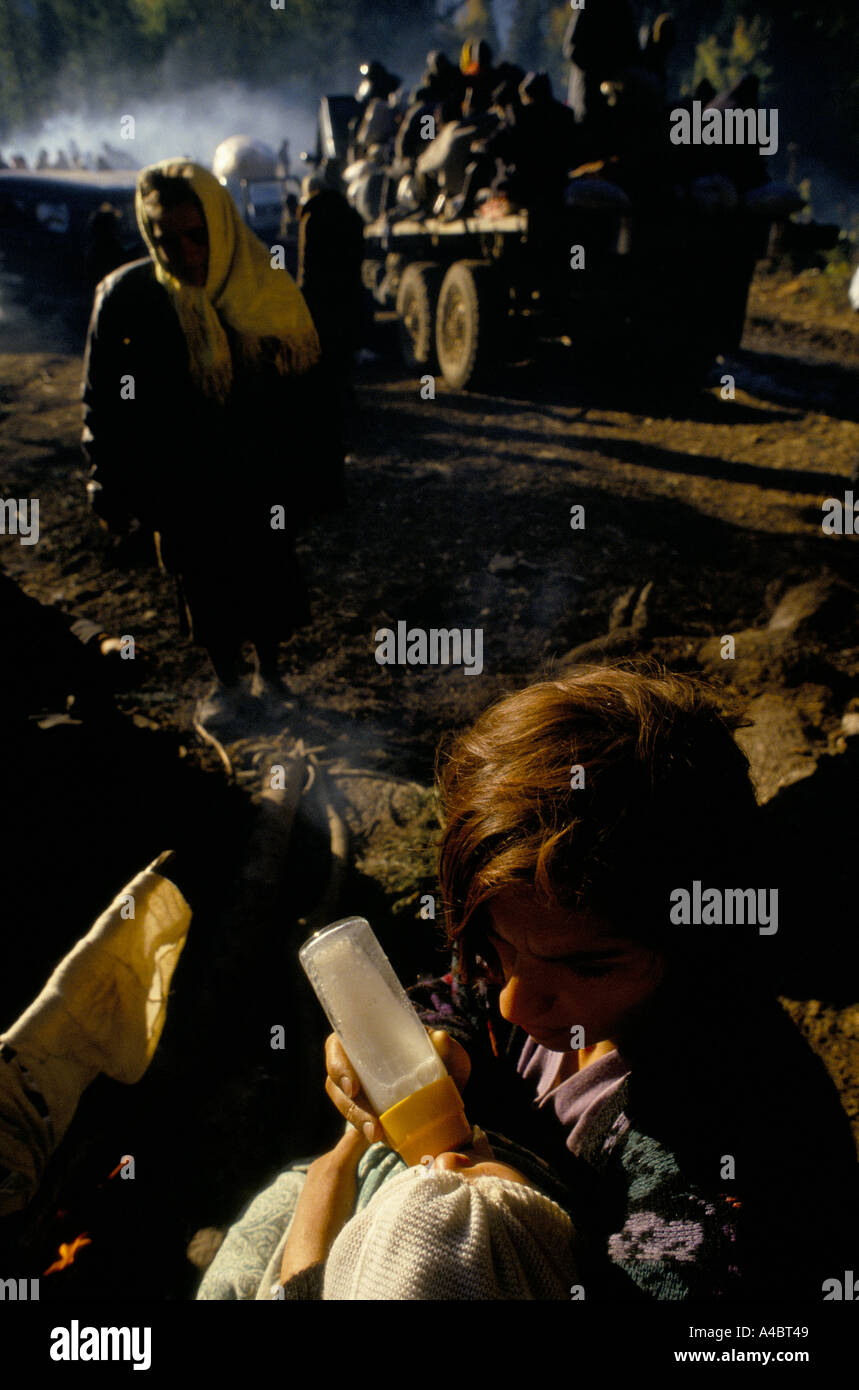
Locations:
666 799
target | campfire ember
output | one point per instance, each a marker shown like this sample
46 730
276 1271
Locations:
68 1252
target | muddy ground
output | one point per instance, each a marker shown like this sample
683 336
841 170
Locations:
702 519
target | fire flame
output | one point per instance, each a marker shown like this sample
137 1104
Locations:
68 1252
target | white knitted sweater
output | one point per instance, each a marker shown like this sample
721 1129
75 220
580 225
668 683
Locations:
437 1235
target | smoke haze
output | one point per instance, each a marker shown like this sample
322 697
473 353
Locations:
191 123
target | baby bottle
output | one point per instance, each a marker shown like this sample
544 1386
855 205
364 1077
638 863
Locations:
402 1075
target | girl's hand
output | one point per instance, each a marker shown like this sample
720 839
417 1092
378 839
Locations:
342 1087
324 1206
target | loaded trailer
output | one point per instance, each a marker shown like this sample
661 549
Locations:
663 289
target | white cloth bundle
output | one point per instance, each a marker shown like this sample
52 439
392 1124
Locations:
102 1010
438 1235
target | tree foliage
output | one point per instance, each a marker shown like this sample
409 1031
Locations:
724 64
60 54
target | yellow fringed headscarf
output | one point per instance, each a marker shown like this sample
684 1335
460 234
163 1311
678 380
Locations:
257 302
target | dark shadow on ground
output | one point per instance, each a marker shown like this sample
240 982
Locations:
795 382
559 379
626 450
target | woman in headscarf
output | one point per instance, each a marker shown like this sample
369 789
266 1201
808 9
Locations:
200 375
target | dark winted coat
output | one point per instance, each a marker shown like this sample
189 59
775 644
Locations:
204 476
330 254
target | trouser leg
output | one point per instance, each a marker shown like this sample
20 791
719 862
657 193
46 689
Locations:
267 659
226 659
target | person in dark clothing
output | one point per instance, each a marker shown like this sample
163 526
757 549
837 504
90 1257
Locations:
411 137
440 91
376 83
450 166
736 167
742 163
104 249
65 665
534 149
505 101
443 78
600 40
480 78
704 92
618 94
657 44
376 88
199 360
549 134
330 256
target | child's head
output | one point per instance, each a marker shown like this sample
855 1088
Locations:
572 810
436 1235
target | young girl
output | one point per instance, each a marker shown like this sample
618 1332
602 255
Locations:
702 1146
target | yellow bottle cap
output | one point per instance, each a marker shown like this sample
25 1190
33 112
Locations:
428 1122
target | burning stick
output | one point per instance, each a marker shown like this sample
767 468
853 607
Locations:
68 1252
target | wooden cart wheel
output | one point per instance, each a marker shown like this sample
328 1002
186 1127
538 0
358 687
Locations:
468 323
417 298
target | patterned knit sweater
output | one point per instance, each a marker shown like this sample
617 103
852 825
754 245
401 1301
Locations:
649 1189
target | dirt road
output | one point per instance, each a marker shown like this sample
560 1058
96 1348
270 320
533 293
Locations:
459 515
